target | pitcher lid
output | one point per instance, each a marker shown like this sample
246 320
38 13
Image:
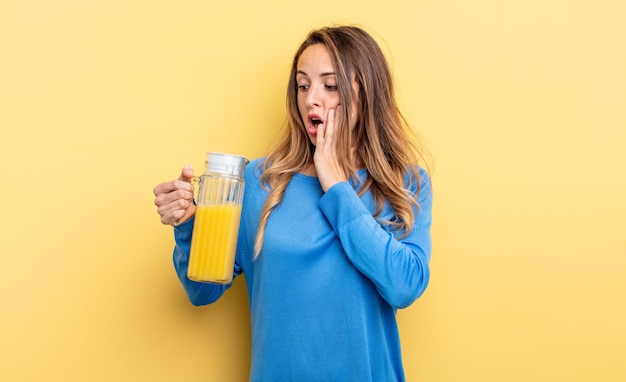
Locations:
227 164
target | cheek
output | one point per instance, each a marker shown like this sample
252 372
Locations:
301 105
334 100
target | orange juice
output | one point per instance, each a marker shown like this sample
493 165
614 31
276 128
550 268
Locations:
213 243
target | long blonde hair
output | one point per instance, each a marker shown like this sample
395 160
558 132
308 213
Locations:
383 143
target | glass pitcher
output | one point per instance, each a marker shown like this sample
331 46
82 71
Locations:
216 225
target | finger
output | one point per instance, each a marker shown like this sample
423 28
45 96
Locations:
164 188
185 178
172 187
183 182
334 117
330 123
325 130
173 217
186 174
174 210
330 143
165 199
319 137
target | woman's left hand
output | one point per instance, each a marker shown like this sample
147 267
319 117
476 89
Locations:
329 171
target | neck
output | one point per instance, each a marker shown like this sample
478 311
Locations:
309 170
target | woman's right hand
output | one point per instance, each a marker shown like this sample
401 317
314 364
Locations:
174 199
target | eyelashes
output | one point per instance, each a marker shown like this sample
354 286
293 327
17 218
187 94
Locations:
327 87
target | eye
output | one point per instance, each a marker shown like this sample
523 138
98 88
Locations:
302 87
332 87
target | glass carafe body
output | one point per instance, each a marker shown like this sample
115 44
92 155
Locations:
216 224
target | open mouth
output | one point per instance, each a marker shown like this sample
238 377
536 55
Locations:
315 121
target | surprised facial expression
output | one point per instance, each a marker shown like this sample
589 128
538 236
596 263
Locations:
317 88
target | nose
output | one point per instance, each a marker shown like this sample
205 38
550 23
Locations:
313 98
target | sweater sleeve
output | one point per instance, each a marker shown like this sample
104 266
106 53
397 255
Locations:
197 292
398 267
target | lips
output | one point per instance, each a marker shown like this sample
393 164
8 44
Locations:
314 122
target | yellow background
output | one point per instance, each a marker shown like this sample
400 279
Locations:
522 104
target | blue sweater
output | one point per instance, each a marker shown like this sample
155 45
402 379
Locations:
324 290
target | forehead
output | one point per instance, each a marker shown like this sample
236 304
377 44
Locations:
315 59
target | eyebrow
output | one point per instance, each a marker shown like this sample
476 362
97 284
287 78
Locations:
321 75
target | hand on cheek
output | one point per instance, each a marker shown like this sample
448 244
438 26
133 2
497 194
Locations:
327 164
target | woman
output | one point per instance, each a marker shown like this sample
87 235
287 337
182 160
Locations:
335 228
